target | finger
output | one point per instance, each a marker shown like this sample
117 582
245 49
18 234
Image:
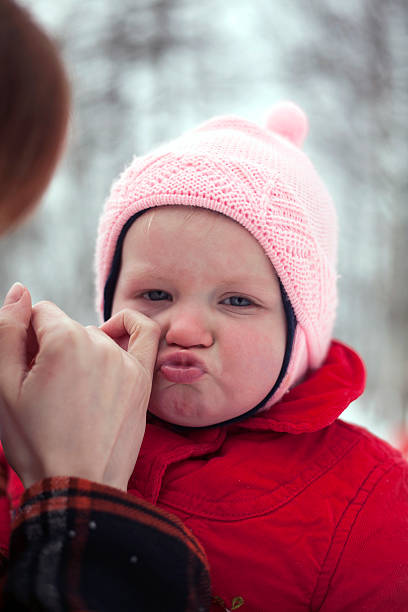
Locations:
55 335
143 334
14 323
14 294
122 341
99 336
47 317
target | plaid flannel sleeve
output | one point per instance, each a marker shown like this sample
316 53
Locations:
79 545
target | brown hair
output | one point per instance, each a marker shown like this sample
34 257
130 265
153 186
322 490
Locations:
34 108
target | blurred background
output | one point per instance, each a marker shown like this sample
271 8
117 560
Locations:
142 71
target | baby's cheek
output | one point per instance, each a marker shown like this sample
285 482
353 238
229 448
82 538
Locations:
254 360
243 351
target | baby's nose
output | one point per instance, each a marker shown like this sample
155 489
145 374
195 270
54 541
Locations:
188 328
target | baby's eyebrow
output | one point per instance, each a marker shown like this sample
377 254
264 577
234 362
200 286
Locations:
137 273
252 280
243 280
148 273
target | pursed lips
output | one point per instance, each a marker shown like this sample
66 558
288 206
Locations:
180 367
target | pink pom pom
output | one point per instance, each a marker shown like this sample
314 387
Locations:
288 120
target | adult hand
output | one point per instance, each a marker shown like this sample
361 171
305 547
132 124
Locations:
72 402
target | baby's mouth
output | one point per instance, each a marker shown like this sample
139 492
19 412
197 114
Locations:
181 367
181 374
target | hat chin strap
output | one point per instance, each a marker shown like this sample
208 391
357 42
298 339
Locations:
290 335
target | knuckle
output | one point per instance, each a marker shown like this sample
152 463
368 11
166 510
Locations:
99 338
10 326
62 337
133 315
41 305
93 329
6 322
153 327
140 321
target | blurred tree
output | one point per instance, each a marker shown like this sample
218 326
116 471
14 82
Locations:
355 81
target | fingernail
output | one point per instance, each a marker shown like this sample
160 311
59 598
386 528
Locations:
14 294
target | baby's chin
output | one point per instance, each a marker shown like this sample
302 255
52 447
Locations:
184 414
189 406
188 413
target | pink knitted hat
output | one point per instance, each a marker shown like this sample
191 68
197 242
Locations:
260 178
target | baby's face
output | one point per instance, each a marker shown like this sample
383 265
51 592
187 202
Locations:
209 285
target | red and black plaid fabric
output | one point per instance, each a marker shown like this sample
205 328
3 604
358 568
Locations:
78 545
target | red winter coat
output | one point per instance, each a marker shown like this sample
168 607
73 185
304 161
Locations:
296 509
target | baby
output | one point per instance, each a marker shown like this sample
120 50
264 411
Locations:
227 238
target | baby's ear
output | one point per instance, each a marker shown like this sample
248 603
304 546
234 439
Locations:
288 120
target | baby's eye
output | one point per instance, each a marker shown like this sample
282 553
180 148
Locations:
156 295
238 300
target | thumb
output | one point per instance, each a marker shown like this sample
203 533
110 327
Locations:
143 334
15 318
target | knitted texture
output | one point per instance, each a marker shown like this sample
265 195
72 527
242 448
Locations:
260 178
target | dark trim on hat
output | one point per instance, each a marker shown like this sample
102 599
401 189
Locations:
110 286
290 335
